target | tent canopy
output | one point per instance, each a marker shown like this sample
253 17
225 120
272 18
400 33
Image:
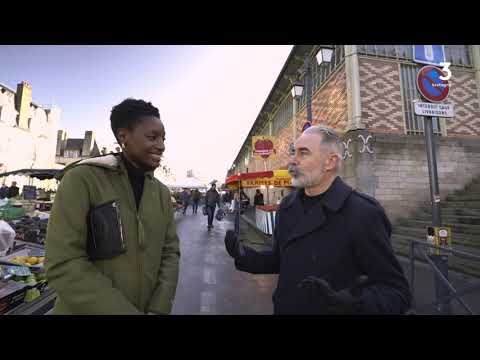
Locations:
41 174
189 183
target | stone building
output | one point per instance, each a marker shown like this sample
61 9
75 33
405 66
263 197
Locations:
365 93
71 150
27 132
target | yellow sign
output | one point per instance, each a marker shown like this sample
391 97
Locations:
264 147
440 236
267 182
443 237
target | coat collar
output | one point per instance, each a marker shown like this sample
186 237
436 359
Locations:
112 161
333 200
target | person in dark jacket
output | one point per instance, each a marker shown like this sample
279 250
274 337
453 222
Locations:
332 246
185 197
13 190
212 199
258 199
3 191
196 196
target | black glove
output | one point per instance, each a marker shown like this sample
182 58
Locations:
233 246
346 301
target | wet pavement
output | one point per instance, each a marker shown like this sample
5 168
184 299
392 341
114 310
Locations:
208 283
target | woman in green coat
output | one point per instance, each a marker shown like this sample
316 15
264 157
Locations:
112 246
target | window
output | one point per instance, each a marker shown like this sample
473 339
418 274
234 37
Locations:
283 115
414 125
458 55
71 153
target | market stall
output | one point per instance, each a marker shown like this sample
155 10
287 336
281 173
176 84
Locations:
264 216
23 227
23 286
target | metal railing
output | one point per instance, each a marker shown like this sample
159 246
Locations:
417 247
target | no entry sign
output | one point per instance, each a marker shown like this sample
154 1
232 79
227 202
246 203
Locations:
431 86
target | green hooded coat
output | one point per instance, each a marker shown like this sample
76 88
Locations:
142 280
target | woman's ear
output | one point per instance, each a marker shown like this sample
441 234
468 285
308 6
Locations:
122 136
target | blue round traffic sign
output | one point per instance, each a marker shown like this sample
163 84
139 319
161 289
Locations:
431 86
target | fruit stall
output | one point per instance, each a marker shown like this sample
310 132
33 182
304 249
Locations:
23 287
23 227
264 215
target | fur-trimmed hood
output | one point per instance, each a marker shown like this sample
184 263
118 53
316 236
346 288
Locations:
110 161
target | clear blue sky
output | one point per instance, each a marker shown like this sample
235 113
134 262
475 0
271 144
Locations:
208 96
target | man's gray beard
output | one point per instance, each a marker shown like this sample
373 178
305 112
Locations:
297 183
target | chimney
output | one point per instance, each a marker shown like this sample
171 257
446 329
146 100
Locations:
88 143
23 99
61 142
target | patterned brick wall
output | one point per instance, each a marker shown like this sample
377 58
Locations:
381 98
329 105
284 138
463 93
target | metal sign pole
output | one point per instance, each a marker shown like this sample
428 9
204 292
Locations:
441 291
237 211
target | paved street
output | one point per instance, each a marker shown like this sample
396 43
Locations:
209 282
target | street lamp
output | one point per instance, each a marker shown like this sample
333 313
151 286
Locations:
297 89
324 55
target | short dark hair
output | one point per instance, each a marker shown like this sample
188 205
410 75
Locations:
128 112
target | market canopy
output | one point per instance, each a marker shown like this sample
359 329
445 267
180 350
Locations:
41 174
188 183
275 178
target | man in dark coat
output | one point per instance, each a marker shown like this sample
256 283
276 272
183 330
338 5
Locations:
4 191
185 197
212 199
13 190
332 246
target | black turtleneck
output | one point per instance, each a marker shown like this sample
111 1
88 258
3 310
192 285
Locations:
137 179
309 201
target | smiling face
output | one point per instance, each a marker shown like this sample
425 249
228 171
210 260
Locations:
144 143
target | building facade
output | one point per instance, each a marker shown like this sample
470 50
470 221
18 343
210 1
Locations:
27 132
71 150
366 94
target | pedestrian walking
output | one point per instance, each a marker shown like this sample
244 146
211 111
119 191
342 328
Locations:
212 199
196 196
185 197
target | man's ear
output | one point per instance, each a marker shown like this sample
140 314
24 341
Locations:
332 161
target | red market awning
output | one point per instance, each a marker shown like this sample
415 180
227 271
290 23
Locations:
275 178
245 176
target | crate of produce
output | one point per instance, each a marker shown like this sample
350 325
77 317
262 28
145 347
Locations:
12 294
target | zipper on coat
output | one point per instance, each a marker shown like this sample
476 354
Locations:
139 248
119 219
